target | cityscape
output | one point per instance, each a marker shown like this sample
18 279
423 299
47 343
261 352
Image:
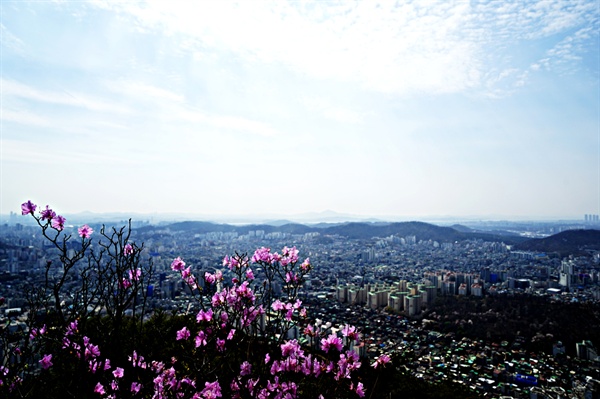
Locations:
438 303
300 199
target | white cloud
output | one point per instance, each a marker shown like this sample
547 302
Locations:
10 41
23 152
406 47
13 89
24 117
172 106
144 92
332 111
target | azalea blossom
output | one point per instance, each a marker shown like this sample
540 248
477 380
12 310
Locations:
305 266
85 231
200 339
331 341
184 334
99 388
211 390
350 332
249 274
47 213
178 264
245 368
204 315
58 223
186 273
360 390
382 360
221 345
277 305
118 372
46 362
28 208
128 249
135 275
135 387
262 255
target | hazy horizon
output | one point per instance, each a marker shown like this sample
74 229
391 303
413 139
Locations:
324 217
393 109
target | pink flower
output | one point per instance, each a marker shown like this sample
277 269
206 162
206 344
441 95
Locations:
231 334
85 231
184 334
305 266
331 341
262 255
118 372
290 348
128 249
47 213
73 328
46 362
211 390
186 273
200 339
209 278
135 275
178 264
28 208
360 390
350 332
202 315
290 254
245 368
99 389
277 305
58 223
135 387
289 276
249 274
381 361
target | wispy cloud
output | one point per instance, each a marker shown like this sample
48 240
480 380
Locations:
13 89
390 47
332 111
10 41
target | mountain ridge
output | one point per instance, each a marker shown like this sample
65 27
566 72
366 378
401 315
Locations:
352 230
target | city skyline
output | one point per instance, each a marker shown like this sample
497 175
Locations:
407 110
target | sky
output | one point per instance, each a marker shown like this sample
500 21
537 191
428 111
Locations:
407 109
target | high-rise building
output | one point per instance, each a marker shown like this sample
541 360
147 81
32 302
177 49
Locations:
587 351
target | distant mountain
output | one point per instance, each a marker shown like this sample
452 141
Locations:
462 228
353 230
576 242
419 229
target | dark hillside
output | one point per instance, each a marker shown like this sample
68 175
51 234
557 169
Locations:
576 242
422 231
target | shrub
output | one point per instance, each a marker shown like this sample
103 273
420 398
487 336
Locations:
244 339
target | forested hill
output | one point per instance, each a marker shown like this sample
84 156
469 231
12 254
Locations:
422 231
576 242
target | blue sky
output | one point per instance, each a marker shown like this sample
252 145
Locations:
394 109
